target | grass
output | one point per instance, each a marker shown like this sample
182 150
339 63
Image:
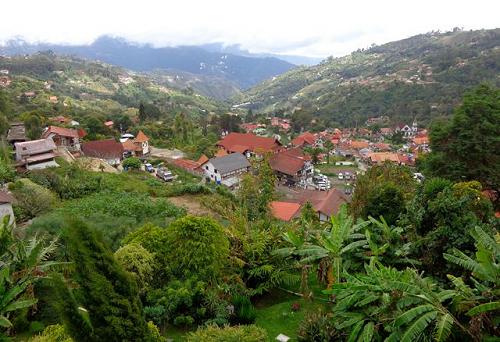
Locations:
177 334
280 319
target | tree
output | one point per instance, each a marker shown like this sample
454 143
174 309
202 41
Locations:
466 147
132 163
385 200
137 260
4 125
198 247
142 113
105 290
440 217
331 247
378 177
33 126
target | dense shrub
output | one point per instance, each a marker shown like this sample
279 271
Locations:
137 260
188 189
318 327
52 333
244 311
198 247
245 333
69 181
132 163
31 199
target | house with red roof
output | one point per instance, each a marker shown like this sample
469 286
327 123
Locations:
109 150
285 211
306 139
138 146
188 165
248 144
291 166
325 204
382 157
359 144
63 137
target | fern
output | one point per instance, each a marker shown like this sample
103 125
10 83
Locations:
443 327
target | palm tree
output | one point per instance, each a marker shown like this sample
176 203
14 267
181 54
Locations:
331 246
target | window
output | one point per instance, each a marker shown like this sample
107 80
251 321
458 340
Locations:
206 167
215 170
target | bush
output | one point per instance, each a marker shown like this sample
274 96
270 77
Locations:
132 163
244 311
188 189
245 333
52 333
31 199
69 182
36 327
318 327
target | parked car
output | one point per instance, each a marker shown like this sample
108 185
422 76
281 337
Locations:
341 175
127 154
347 176
164 174
149 168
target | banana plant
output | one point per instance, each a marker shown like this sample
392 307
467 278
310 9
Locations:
10 296
332 245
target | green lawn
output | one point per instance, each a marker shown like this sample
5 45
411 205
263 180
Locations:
280 319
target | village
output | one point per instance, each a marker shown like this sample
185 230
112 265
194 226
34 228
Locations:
317 168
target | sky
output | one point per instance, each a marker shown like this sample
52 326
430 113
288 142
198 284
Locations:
316 28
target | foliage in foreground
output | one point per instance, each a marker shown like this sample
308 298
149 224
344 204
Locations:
243 333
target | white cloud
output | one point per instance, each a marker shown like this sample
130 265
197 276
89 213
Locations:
313 27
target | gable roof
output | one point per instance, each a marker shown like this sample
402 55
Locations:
128 145
284 211
186 164
202 160
64 132
304 138
236 142
359 144
287 164
17 131
28 148
230 163
328 202
141 137
380 157
103 149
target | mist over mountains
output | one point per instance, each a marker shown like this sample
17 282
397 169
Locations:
230 65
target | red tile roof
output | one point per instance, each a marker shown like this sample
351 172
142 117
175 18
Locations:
286 164
326 202
284 211
424 140
186 164
304 138
380 157
359 144
103 149
382 146
141 137
234 142
64 132
129 145
202 160
221 153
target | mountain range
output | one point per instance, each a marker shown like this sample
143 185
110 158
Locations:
420 77
227 69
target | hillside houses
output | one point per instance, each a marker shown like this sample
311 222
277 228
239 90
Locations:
325 204
226 170
17 133
248 144
36 154
138 146
109 150
291 166
63 137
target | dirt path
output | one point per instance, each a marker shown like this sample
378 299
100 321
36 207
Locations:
192 205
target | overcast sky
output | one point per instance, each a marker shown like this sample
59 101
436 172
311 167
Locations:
308 27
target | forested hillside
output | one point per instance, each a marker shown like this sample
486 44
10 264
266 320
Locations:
55 85
420 77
